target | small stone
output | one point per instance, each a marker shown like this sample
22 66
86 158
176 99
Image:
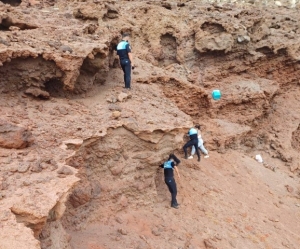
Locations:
289 188
35 167
122 231
286 244
218 237
44 165
111 99
55 44
65 48
278 3
64 170
53 166
81 195
122 96
114 107
119 220
247 38
273 219
243 38
14 137
40 108
33 2
14 28
13 168
63 110
155 231
26 183
41 180
208 244
116 114
240 39
116 170
6 43
233 243
124 201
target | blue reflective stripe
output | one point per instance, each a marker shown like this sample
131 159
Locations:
168 165
192 131
122 45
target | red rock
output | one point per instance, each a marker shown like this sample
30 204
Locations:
81 195
14 137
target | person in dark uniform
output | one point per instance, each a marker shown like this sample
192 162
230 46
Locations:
126 58
193 134
169 166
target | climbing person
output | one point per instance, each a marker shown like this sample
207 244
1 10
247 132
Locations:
201 147
193 134
169 166
126 58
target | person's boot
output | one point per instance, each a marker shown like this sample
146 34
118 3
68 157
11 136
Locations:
175 206
198 159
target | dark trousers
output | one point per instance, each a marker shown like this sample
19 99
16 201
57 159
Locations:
126 67
191 143
170 181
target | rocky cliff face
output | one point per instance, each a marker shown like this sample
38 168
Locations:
79 155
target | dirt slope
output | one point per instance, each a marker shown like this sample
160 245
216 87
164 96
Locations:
79 155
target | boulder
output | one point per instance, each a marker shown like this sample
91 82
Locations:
14 137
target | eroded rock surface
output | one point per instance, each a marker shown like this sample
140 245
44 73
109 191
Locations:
79 155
